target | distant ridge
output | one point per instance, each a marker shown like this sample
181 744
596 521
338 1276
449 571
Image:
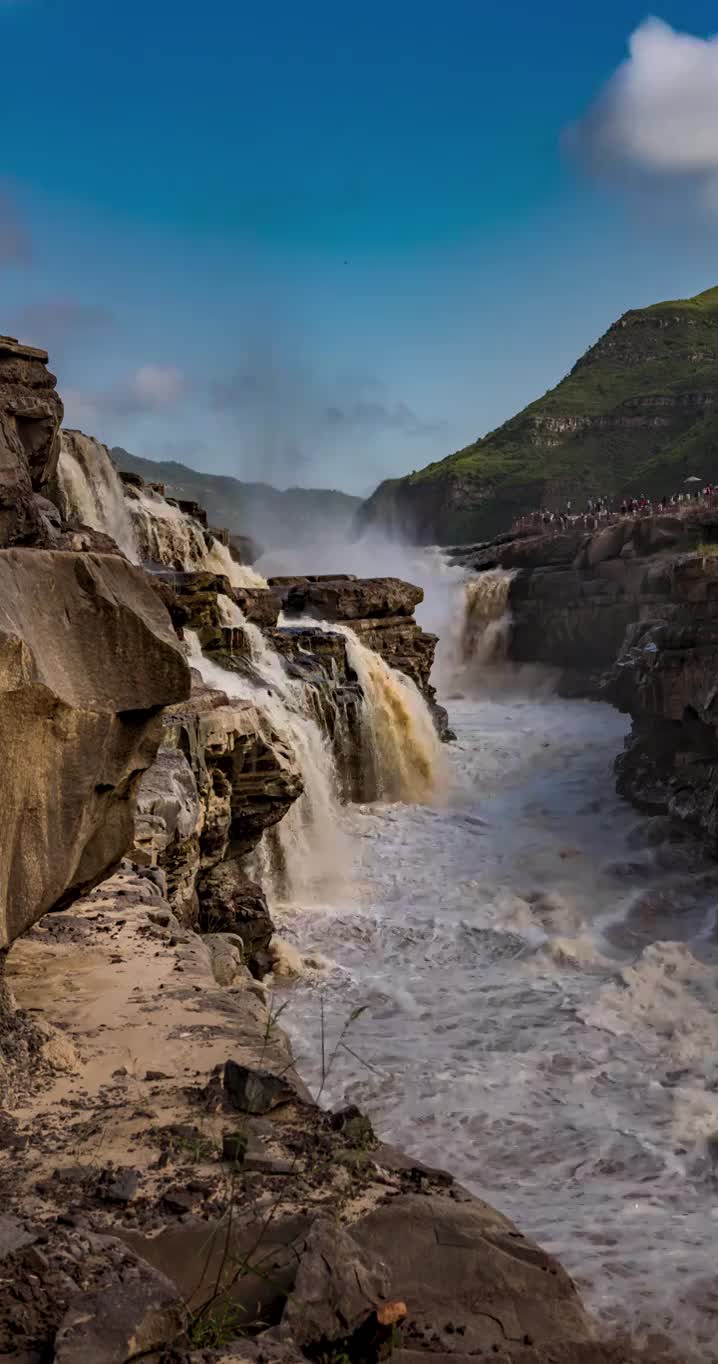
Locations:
294 516
637 413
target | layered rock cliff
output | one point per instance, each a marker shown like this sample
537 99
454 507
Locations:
635 415
629 614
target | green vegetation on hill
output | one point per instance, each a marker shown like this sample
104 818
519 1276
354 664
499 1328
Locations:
272 518
636 414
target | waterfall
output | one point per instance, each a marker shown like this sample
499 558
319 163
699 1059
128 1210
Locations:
481 628
218 559
306 853
92 490
229 613
402 751
164 534
145 526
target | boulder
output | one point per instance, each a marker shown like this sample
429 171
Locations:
338 1289
229 902
472 1283
351 599
30 416
256 1091
88 659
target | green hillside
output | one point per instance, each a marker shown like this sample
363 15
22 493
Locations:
269 516
636 414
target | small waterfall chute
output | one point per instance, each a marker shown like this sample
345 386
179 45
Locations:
402 753
219 559
307 852
92 490
486 622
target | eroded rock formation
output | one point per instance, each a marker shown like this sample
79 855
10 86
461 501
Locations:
380 611
30 416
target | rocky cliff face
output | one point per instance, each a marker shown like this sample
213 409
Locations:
88 658
30 416
636 414
629 614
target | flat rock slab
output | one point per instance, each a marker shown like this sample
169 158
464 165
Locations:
471 1281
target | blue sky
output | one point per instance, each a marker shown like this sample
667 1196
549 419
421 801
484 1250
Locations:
324 243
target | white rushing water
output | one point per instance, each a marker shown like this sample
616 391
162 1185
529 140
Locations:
538 978
147 527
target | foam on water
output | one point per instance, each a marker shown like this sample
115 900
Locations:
568 1078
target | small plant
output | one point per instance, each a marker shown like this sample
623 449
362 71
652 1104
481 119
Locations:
223 1325
708 548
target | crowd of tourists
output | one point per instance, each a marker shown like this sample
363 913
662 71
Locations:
602 510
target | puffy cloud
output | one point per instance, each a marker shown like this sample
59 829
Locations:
658 114
150 389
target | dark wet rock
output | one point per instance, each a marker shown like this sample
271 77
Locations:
338 1287
14 1235
229 902
122 1321
120 1186
234 1146
256 1091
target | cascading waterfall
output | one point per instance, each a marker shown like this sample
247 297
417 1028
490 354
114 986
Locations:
218 559
164 534
478 635
306 853
145 526
402 750
92 490
487 618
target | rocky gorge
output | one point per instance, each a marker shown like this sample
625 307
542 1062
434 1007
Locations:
177 736
625 614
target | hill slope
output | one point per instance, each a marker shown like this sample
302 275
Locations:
271 517
637 413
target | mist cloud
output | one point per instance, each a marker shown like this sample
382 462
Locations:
152 388
294 424
657 117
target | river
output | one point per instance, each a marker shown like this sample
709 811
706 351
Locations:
535 965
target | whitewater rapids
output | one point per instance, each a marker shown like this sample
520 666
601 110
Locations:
539 978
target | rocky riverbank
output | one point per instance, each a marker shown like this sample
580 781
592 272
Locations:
628 614
171 1191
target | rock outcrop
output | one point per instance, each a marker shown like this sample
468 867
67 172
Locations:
221 778
629 614
30 416
88 659
380 611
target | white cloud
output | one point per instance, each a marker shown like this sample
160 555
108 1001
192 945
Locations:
156 385
658 114
149 389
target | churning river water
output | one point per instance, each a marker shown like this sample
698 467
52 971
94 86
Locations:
537 968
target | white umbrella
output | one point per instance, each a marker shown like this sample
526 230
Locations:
694 479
